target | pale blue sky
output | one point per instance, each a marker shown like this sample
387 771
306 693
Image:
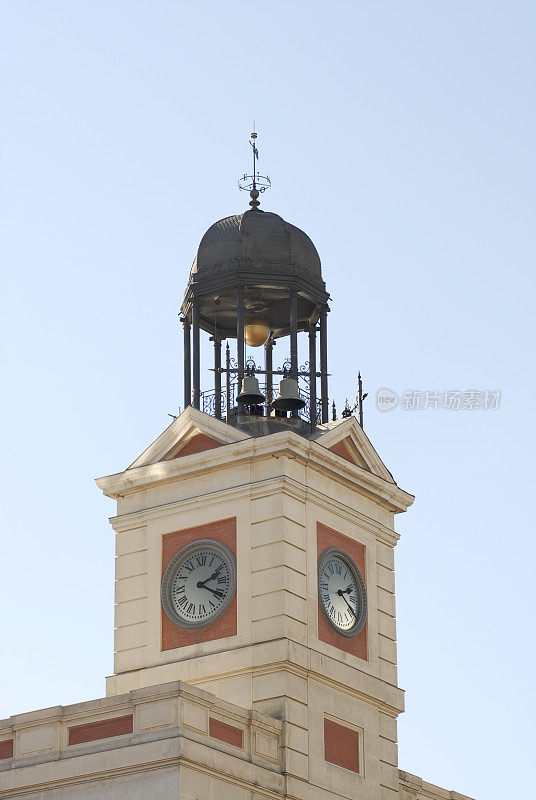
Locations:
400 136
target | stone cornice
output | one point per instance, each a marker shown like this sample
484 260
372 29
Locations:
265 488
296 659
282 444
422 790
58 763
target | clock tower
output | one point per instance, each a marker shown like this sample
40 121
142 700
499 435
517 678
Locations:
255 632
254 537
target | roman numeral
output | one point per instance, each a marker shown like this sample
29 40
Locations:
222 579
201 560
183 601
191 609
202 609
179 589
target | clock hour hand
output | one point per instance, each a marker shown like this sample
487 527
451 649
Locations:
201 584
341 593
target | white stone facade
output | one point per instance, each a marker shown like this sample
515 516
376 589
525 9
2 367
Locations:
275 680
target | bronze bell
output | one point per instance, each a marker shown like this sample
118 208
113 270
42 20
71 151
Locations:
250 394
288 398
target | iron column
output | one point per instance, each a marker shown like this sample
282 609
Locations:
227 383
268 351
187 363
293 319
312 373
217 377
240 340
324 363
196 355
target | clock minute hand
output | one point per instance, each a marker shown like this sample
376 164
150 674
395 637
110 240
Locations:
201 584
215 592
341 593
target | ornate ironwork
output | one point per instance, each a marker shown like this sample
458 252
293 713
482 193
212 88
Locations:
349 410
208 399
284 370
250 366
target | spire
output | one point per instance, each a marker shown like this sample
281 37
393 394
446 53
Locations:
255 183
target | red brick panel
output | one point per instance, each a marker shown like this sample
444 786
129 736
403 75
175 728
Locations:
6 749
225 733
341 745
356 645
117 726
341 449
198 444
224 530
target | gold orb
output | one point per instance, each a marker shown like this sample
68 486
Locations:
256 331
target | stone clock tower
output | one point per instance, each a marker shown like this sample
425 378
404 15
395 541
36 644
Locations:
255 636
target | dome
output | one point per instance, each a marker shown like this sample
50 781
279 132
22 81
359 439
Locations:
256 241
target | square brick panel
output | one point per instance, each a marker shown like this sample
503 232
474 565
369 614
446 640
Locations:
173 636
6 748
341 745
356 645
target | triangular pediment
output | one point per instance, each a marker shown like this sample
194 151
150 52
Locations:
191 432
347 440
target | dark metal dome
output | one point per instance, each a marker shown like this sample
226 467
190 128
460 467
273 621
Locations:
254 272
258 241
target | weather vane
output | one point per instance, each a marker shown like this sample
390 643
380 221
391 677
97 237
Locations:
255 183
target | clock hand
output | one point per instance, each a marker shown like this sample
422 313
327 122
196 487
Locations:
215 592
201 584
341 593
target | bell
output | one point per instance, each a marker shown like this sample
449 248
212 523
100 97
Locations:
288 398
250 394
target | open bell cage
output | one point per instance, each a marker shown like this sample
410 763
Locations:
255 309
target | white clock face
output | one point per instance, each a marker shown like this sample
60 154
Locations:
341 591
199 583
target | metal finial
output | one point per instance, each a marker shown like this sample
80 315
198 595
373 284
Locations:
360 397
348 411
255 183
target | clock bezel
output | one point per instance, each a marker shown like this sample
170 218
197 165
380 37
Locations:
361 591
172 569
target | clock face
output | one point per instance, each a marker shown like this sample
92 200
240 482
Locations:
199 583
341 591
